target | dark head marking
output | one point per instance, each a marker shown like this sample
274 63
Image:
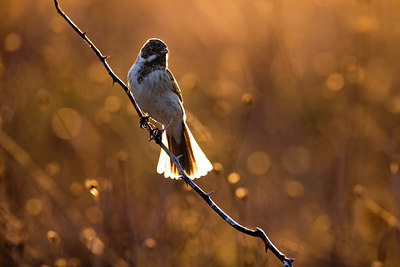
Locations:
155 53
154 47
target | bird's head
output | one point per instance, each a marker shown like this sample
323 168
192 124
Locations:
154 50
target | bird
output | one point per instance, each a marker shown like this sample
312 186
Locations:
158 95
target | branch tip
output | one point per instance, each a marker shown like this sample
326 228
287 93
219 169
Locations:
288 262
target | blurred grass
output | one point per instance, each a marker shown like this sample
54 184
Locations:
296 103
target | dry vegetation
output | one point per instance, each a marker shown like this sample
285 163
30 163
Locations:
296 102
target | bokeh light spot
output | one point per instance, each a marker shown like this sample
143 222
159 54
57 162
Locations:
112 103
34 206
247 98
294 189
335 81
359 190
88 234
150 243
189 81
74 262
93 190
218 167
97 246
233 177
92 185
222 108
322 223
241 192
60 262
394 168
53 168
377 263
122 155
76 188
12 42
66 123
258 162
364 25
53 237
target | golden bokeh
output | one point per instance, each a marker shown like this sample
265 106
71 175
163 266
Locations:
88 234
60 262
34 206
66 123
53 237
112 103
97 246
233 178
296 104
76 188
12 42
241 192
294 189
74 262
258 162
335 81
150 243
322 223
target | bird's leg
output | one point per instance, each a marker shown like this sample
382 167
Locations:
157 133
144 119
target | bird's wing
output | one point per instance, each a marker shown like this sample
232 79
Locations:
175 86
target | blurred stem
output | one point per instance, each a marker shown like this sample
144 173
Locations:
127 210
144 123
395 180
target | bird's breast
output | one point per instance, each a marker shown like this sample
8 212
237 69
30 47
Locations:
155 96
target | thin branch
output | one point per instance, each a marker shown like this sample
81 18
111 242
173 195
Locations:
153 136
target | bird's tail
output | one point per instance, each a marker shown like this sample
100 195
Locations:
194 162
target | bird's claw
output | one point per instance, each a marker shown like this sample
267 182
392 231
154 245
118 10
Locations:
156 134
143 121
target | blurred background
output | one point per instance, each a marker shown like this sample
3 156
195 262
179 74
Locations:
296 103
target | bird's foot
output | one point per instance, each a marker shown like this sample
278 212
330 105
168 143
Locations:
144 119
156 134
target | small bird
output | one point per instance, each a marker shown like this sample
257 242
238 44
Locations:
157 93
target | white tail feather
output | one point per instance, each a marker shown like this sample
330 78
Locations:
202 164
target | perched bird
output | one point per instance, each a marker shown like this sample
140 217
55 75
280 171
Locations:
157 93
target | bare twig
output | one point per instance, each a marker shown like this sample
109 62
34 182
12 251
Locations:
145 124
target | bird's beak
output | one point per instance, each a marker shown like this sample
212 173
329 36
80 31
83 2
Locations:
165 51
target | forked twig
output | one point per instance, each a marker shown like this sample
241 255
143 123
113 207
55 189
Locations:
144 123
